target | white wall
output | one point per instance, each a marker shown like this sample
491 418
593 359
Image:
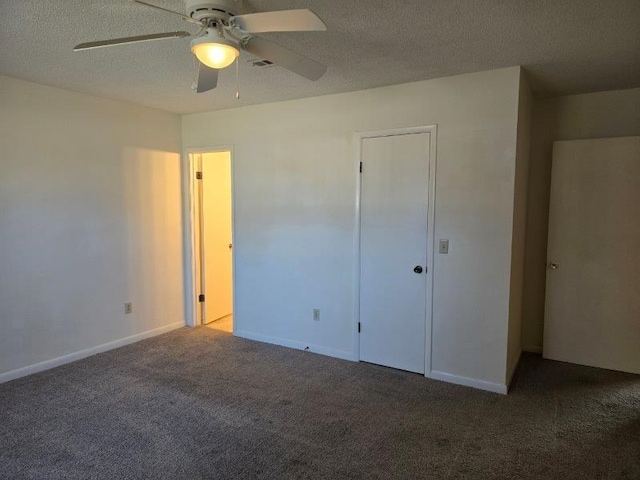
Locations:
593 115
90 218
295 181
523 148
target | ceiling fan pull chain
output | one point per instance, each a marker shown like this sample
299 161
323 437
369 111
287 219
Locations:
195 63
238 78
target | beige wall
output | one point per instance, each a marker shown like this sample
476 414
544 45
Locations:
594 115
90 218
295 191
523 149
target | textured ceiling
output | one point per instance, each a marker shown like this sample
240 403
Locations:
567 46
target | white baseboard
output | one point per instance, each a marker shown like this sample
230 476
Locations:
512 369
283 342
469 382
88 352
446 377
532 348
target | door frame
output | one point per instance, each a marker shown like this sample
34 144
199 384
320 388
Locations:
358 139
190 235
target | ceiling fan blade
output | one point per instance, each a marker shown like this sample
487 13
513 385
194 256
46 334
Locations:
186 18
283 21
284 57
207 78
125 40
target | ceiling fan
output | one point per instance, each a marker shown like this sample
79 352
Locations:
222 34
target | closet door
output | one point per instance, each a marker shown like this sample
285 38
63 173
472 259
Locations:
393 250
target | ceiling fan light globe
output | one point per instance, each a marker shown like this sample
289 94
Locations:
215 55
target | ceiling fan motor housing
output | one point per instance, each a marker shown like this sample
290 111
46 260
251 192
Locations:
217 9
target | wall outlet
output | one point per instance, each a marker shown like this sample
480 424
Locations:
443 246
128 307
316 314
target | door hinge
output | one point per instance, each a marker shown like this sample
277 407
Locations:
199 175
360 167
358 327
201 298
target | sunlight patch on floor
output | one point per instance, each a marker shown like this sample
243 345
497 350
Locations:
224 324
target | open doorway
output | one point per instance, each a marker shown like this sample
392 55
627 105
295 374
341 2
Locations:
213 238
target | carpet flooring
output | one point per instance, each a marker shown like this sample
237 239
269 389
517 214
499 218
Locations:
202 404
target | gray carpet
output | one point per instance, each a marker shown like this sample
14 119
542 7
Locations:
198 403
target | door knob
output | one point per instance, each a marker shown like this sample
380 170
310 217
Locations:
553 266
230 246
418 269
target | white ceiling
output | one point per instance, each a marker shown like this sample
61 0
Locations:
567 46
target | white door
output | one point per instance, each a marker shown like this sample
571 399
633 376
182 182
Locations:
592 313
393 250
217 251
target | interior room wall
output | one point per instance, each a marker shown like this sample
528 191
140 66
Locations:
295 184
90 218
523 149
593 115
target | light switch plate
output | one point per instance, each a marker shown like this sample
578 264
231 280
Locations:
444 246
